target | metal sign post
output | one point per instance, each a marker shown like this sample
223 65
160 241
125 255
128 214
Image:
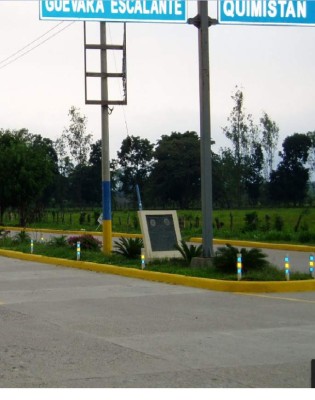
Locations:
205 130
203 22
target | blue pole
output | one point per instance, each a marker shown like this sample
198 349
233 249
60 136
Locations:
139 197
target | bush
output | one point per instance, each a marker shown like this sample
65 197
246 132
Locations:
306 237
58 241
226 257
22 237
279 223
188 252
87 242
251 222
4 234
129 247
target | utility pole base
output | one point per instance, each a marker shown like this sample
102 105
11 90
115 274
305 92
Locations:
201 262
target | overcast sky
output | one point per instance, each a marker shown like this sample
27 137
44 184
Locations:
274 66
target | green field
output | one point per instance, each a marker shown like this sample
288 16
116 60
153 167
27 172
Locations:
295 225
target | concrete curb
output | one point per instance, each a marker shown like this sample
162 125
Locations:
261 245
201 283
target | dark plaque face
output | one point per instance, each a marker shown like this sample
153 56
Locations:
162 232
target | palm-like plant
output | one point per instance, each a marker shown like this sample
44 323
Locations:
225 259
188 252
129 247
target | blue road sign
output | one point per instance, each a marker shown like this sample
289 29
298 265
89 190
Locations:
174 11
267 12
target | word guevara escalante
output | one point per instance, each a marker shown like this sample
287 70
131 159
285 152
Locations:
116 6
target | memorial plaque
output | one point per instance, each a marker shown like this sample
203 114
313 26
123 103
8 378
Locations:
161 233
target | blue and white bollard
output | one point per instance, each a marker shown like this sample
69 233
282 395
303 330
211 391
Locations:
239 266
142 259
78 251
312 266
287 267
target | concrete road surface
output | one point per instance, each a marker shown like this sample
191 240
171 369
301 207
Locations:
63 328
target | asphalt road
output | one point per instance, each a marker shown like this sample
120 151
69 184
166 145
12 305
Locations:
63 327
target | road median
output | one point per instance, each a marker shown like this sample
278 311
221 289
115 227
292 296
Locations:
201 283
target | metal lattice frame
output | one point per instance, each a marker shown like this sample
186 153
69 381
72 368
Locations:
122 74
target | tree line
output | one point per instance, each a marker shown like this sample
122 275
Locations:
36 172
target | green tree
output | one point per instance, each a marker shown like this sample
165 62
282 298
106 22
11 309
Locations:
269 141
311 158
95 158
228 181
288 184
176 174
135 161
73 149
73 146
220 175
27 169
238 129
252 177
243 134
296 149
85 181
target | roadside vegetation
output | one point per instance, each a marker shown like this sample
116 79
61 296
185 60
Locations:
47 184
126 253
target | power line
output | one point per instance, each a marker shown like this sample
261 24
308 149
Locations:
11 59
29 44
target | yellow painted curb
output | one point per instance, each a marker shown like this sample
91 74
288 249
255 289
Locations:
201 283
262 245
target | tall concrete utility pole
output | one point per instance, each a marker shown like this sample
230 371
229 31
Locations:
203 22
105 102
106 184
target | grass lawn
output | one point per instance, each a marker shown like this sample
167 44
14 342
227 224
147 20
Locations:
282 225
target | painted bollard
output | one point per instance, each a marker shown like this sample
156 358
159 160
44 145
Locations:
312 266
32 246
142 259
287 268
239 266
78 251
